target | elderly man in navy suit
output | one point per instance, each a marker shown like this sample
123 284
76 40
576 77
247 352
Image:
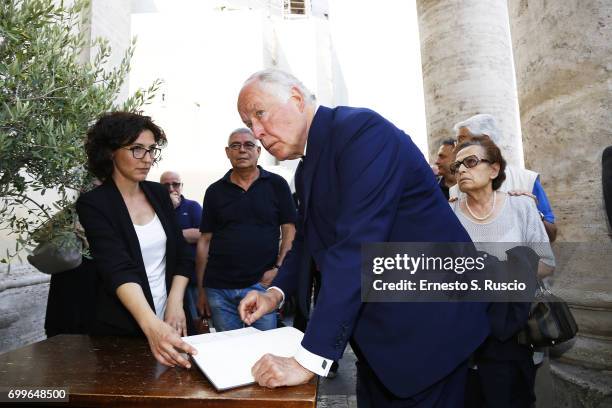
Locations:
361 180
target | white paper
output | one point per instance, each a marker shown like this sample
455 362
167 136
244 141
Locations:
226 358
208 337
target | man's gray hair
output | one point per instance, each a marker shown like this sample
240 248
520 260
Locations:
282 82
240 131
482 124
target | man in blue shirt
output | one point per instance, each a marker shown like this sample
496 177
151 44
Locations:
246 213
189 216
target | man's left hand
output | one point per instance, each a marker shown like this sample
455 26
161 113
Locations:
273 371
268 277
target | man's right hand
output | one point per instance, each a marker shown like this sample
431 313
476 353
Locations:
175 197
203 308
256 304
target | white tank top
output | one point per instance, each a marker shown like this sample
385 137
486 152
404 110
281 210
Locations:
152 240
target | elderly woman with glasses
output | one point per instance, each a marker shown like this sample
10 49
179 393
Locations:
141 257
503 372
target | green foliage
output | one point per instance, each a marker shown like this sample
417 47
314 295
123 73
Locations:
50 92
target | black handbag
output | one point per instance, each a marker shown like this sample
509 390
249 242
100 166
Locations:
550 321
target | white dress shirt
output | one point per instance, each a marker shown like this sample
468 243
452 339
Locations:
310 361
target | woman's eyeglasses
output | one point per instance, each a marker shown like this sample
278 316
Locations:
139 152
469 162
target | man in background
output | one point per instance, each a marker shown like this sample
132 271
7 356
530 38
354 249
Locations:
189 216
445 157
246 213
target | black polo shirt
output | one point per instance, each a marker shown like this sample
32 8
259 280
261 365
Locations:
245 227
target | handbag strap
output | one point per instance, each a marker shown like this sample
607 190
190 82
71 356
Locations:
541 286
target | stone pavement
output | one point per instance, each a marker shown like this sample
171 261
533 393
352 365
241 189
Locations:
339 392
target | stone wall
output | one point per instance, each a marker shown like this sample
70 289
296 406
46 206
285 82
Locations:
564 81
565 86
23 301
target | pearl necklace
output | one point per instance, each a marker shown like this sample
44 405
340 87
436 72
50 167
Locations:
486 216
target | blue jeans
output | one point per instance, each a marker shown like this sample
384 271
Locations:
224 303
191 300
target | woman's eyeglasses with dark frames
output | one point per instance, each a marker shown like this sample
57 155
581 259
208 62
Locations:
139 152
469 162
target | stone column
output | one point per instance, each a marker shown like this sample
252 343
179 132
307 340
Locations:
563 56
467 68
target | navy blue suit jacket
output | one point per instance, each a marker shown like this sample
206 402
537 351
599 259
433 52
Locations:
364 180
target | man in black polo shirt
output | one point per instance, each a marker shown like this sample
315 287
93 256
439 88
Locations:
244 216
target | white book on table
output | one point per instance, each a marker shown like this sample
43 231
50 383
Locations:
226 358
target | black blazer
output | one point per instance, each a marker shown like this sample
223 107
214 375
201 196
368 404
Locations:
116 252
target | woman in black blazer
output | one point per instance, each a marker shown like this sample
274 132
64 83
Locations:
141 257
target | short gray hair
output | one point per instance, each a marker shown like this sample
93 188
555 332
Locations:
242 130
282 82
482 124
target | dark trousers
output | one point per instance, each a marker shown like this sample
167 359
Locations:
71 304
446 393
501 384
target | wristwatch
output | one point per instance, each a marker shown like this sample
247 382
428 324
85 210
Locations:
276 266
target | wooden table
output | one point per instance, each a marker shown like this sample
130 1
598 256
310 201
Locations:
121 372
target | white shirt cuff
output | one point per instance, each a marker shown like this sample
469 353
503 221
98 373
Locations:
280 305
317 364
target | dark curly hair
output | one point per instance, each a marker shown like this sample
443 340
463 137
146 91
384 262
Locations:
112 131
492 153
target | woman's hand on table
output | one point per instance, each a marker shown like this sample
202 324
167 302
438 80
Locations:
167 345
175 316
